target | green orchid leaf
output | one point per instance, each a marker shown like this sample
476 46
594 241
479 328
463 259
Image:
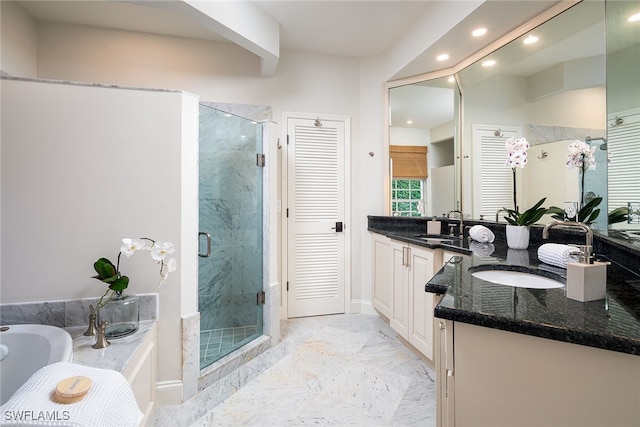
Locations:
618 215
556 213
119 284
594 215
105 269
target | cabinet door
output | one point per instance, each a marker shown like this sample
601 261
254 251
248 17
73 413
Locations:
399 320
382 275
445 385
421 302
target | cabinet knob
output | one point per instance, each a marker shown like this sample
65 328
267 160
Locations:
441 326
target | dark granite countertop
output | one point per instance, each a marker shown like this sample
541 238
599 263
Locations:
611 324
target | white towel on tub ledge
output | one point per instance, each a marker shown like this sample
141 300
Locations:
109 402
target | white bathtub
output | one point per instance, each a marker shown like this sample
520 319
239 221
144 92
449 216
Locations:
26 348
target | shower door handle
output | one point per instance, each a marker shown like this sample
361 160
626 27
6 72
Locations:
208 253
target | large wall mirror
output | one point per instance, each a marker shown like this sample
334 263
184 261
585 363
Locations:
547 86
623 115
422 133
574 77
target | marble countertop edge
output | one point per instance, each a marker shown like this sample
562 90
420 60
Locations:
116 356
613 343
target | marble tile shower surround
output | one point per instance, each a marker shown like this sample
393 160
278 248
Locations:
257 113
66 313
541 134
329 370
230 185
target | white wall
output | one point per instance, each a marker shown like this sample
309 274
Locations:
83 167
18 56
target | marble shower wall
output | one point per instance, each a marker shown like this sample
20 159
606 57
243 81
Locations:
230 197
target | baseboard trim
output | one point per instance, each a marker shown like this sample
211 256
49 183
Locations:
362 307
169 393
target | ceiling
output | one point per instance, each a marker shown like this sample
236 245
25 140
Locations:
356 29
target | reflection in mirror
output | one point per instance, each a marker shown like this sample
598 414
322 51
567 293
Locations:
421 147
623 113
547 86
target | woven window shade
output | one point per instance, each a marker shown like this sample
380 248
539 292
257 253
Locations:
409 161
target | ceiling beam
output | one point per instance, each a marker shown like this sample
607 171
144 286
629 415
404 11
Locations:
239 22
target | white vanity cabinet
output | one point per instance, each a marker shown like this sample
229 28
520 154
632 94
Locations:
141 373
400 272
382 277
486 376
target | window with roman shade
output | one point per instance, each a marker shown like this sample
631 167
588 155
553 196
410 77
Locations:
409 161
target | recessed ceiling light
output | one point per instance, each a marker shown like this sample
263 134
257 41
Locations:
488 63
634 18
530 39
409 122
451 79
479 32
442 57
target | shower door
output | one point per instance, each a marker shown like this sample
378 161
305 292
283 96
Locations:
230 222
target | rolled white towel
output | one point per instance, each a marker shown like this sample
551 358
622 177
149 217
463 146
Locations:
482 250
482 234
557 254
109 402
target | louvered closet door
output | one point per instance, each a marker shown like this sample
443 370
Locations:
493 181
316 202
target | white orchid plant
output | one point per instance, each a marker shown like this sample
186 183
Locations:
110 273
516 158
581 155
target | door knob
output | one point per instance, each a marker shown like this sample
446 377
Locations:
339 227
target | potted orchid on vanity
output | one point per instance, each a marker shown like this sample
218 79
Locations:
120 310
517 229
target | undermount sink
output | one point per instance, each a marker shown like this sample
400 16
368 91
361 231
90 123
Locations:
436 238
515 277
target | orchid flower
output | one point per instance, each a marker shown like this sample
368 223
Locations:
581 155
117 283
160 250
129 246
516 152
171 266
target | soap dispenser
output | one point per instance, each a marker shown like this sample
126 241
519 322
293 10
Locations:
434 227
587 282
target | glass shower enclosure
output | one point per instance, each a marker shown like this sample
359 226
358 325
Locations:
230 242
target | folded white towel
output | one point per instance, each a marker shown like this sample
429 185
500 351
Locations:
557 254
480 233
109 402
482 250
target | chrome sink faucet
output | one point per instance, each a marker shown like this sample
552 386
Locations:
586 251
498 213
451 233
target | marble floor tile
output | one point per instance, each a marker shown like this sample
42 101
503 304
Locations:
331 371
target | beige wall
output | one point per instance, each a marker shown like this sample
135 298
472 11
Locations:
18 32
90 166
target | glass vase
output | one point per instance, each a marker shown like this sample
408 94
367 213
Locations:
123 314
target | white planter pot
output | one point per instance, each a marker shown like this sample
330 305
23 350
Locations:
517 236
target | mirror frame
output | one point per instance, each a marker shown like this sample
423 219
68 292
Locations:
453 71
